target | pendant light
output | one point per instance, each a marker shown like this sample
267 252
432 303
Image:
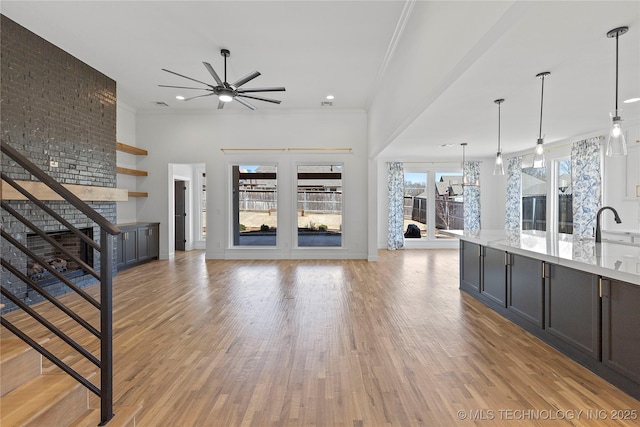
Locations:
498 169
538 155
465 180
616 143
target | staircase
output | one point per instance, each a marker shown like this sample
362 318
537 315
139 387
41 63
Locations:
30 398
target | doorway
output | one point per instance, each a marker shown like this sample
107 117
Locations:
180 214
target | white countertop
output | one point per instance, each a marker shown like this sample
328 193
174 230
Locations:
615 260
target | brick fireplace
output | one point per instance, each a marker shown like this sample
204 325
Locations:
54 108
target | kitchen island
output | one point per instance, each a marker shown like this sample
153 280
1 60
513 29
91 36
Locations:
579 296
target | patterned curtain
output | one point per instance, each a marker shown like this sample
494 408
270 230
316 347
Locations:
586 183
395 239
471 174
514 194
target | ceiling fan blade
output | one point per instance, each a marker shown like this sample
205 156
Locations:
245 103
275 101
221 105
186 87
245 79
213 73
199 96
261 89
173 72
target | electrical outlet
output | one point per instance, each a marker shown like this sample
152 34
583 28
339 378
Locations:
53 163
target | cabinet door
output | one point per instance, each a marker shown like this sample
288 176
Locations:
143 243
621 327
120 248
572 308
525 287
494 275
154 241
469 266
130 247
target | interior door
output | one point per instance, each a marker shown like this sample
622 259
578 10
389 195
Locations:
180 215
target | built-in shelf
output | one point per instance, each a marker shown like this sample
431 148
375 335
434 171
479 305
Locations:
130 149
138 194
127 171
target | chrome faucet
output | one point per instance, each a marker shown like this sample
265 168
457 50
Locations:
616 217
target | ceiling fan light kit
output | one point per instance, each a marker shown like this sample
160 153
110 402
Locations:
225 91
616 143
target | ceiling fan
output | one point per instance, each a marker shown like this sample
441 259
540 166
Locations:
225 91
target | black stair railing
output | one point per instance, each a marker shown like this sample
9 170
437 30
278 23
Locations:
104 275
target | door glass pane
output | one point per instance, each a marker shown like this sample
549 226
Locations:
449 203
415 204
534 199
565 198
254 205
319 207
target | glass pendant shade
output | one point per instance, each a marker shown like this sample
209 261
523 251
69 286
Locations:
538 155
498 169
616 143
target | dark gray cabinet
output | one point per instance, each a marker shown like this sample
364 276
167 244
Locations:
572 308
621 327
494 275
470 266
525 288
127 248
138 243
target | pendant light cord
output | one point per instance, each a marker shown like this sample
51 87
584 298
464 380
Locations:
541 103
499 127
617 35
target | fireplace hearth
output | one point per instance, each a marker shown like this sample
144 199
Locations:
56 259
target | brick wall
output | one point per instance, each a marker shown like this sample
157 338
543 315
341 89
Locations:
54 107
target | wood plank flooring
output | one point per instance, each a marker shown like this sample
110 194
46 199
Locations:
331 343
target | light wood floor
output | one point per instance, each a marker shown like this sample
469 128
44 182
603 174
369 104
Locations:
333 343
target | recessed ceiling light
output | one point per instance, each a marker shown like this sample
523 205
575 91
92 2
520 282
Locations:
631 100
330 97
180 97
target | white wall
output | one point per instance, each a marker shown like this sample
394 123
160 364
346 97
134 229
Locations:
126 133
198 137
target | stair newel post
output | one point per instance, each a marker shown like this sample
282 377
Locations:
106 327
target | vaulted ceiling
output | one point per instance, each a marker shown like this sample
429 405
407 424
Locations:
353 49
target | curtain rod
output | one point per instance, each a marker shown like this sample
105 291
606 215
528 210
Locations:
287 149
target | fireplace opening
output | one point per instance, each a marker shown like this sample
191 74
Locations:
56 258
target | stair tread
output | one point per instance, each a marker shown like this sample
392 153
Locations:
33 398
123 416
14 347
19 363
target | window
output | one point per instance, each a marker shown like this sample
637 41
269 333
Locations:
415 201
449 203
254 205
432 201
534 199
319 205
